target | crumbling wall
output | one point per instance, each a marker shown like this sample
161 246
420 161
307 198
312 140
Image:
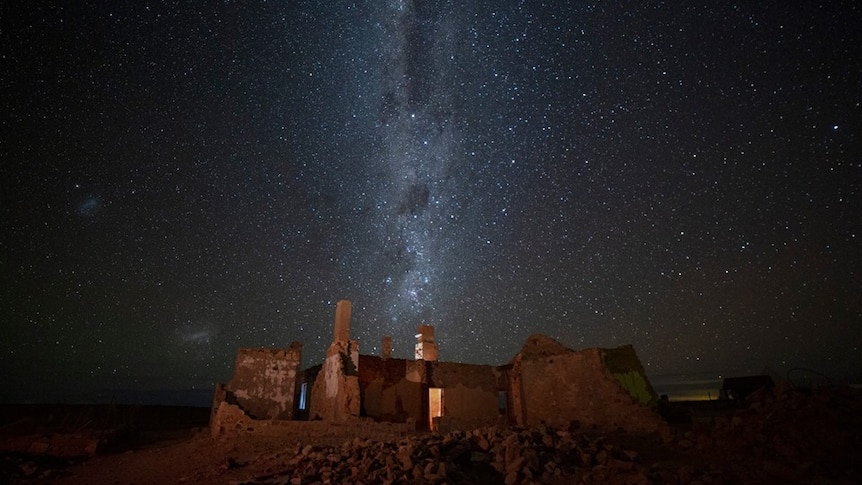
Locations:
377 374
469 392
397 390
623 363
264 382
391 389
335 395
560 386
228 418
402 402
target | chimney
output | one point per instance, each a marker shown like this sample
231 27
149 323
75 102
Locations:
342 321
426 346
387 348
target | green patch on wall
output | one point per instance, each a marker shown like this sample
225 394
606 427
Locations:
624 365
637 385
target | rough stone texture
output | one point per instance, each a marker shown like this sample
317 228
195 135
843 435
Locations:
228 418
236 424
391 389
335 395
545 384
397 390
493 455
386 348
624 365
343 310
264 382
426 345
470 393
558 386
778 436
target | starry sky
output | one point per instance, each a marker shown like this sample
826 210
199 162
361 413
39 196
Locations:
181 179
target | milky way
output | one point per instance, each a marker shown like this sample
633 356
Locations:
178 182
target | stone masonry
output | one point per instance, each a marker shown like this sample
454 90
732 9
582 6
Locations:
546 383
264 383
335 395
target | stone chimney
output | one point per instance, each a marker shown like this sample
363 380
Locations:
342 321
386 351
336 395
426 346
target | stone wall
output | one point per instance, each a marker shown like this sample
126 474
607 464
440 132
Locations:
391 389
469 392
264 382
335 394
229 420
623 363
545 383
558 386
397 390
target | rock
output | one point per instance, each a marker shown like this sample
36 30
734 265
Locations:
38 447
511 478
478 457
484 444
513 448
93 447
515 465
405 456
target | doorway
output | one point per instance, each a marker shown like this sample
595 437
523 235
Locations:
435 405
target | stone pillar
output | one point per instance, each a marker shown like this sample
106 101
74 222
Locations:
387 348
343 310
335 395
426 346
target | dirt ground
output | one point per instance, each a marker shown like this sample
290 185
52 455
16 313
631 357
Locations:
197 458
778 436
194 459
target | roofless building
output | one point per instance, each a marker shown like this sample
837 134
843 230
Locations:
544 383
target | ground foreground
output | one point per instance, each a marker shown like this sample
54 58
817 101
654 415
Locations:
779 436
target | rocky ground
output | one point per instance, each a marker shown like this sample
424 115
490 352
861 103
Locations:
779 436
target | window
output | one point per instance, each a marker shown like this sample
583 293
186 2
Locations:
303 397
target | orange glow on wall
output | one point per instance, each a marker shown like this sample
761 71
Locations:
435 405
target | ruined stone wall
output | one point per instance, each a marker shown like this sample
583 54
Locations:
335 395
558 389
264 382
375 375
230 421
391 389
396 390
623 363
469 392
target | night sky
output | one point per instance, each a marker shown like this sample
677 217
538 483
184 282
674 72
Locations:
181 179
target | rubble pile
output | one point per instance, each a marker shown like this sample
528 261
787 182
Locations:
779 436
41 455
487 455
786 435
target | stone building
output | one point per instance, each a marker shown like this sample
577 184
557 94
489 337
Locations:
544 383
